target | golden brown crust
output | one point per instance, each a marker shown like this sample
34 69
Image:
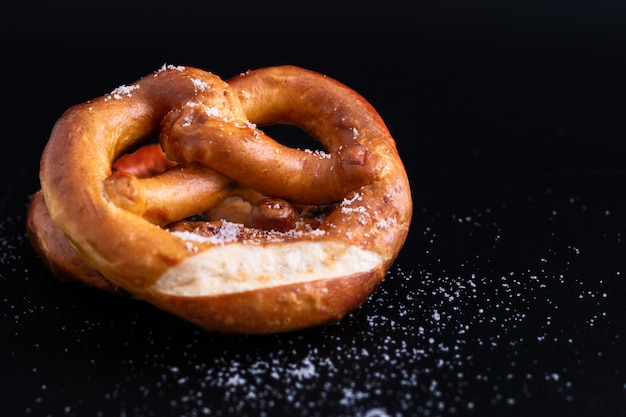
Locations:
55 251
244 153
124 229
375 215
272 214
169 196
279 309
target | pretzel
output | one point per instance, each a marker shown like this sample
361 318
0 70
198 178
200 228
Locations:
317 230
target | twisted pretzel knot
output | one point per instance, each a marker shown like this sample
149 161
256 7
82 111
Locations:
315 236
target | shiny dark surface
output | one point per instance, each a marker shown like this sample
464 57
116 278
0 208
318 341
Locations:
507 298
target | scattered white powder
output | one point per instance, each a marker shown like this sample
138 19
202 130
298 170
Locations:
385 223
166 67
241 124
235 380
306 371
319 153
228 232
212 111
473 326
187 121
316 232
348 201
350 397
199 85
119 92
358 209
231 232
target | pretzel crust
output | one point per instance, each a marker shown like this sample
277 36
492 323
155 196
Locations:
283 281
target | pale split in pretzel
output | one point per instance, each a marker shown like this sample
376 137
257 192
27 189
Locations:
235 232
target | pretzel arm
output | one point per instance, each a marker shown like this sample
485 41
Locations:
173 195
252 158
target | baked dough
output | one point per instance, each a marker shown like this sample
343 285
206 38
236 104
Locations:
348 209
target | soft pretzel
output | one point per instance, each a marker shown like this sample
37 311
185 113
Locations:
316 238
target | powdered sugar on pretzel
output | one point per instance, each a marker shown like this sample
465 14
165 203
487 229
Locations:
312 244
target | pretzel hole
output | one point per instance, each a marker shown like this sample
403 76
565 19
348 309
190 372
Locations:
144 161
293 137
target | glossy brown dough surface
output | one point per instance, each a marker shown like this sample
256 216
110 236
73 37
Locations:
292 238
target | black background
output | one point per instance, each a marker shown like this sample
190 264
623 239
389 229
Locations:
507 298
